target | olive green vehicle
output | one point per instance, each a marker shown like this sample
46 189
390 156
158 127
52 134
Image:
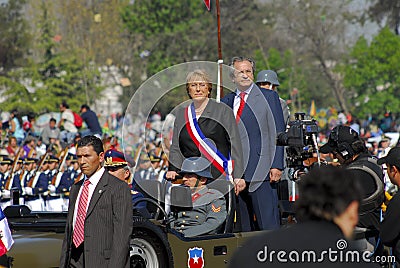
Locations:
38 237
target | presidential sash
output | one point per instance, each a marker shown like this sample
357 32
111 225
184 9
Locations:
218 160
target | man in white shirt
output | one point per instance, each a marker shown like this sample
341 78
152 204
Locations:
99 222
67 122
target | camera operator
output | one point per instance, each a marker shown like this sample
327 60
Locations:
327 210
350 151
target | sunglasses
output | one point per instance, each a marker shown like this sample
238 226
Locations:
112 169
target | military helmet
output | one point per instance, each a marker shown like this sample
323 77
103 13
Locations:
268 76
196 165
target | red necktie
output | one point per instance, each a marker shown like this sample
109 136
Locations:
79 228
241 106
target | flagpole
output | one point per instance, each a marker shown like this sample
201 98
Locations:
220 60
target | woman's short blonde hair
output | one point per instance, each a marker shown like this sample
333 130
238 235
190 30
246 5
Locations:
198 76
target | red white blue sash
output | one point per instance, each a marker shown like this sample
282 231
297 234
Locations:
218 160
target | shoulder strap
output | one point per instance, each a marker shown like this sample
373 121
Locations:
376 199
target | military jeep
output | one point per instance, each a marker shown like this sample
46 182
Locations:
154 244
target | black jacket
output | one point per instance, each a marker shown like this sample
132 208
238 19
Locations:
302 239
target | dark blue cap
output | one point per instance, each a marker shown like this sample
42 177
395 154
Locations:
114 158
5 160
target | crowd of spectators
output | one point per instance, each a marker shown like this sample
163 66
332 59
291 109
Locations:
379 133
20 130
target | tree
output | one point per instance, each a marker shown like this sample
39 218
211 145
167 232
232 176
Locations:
317 32
290 75
14 34
372 74
173 32
94 29
15 94
57 77
383 10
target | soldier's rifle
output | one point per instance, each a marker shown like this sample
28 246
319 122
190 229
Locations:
16 158
38 168
14 167
63 157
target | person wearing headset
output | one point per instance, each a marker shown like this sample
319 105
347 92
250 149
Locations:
349 149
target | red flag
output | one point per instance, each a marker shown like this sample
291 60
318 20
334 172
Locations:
207 2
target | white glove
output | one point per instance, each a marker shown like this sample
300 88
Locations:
52 188
5 194
28 190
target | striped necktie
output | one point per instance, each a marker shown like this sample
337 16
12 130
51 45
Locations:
79 228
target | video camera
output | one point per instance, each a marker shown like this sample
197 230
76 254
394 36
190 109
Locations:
300 138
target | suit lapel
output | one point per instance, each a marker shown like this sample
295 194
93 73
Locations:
254 95
230 98
251 102
98 191
209 108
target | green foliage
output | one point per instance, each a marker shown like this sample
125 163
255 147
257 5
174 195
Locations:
173 32
14 35
303 42
388 11
16 95
290 76
373 74
160 17
166 30
59 77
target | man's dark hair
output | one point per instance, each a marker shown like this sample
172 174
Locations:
92 140
31 116
325 193
359 147
65 104
240 59
53 120
85 106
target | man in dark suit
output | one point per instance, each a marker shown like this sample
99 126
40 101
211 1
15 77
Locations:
260 118
99 222
327 211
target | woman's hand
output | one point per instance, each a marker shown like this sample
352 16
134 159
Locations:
240 185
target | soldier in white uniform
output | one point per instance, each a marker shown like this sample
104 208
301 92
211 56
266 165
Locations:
5 165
